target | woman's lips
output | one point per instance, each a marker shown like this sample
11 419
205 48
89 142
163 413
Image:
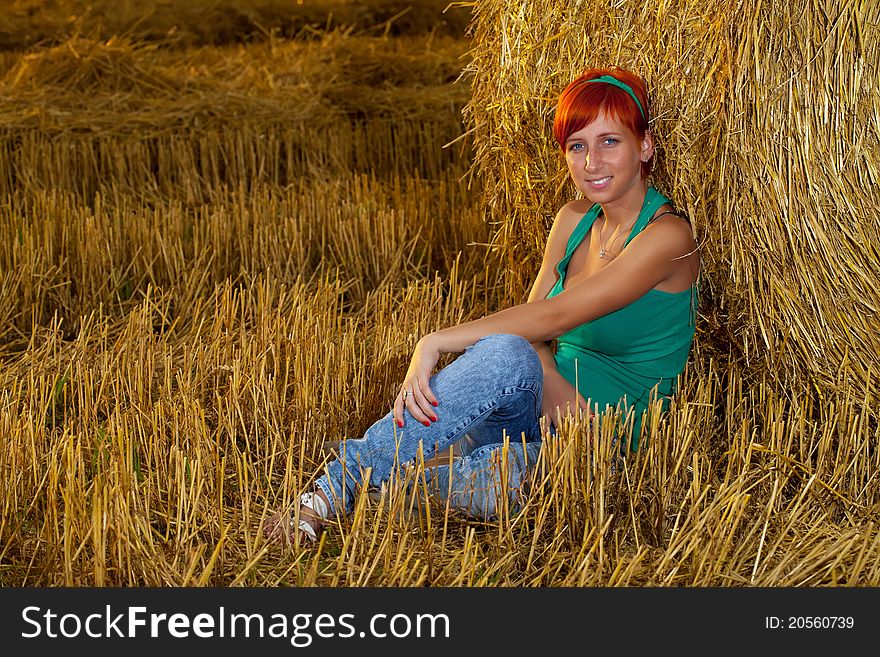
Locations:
599 183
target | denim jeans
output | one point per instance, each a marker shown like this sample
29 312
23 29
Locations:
492 389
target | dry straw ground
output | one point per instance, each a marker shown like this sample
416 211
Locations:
220 239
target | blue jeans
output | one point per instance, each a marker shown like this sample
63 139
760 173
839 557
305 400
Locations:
494 387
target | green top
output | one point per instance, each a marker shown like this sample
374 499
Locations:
620 357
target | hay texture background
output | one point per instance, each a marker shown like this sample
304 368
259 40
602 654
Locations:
25 23
767 117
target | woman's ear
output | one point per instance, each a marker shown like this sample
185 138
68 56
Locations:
647 146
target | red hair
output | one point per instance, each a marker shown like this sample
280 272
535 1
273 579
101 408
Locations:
581 102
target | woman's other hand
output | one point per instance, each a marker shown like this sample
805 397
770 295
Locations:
560 394
421 402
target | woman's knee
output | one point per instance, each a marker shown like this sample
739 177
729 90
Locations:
509 350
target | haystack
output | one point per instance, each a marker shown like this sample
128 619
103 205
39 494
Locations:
269 111
86 66
766 119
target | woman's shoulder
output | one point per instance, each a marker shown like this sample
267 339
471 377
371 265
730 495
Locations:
568 218
564 224
578 207
572 212
671 231
669 210
669 223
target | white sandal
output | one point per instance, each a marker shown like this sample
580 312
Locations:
322 512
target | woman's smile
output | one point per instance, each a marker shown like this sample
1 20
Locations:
599 183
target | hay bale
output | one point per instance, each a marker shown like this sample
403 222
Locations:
85 66
87 114
762 115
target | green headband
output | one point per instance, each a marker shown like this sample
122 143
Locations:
620 85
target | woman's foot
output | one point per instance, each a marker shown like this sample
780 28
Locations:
313 510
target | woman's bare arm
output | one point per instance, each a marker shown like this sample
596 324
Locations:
646 262
554 251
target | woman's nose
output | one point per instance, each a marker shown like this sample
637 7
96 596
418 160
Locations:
589 161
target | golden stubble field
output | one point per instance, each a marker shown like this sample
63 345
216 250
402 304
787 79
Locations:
222 234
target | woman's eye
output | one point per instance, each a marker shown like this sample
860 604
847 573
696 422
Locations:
575 147
610 141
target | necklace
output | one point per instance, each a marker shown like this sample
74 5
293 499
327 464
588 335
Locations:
604 249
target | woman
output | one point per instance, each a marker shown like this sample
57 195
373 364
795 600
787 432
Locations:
617 287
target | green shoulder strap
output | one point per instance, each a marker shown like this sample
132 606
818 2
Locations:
653 200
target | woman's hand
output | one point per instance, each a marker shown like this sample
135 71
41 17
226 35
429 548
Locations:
560 394
419 398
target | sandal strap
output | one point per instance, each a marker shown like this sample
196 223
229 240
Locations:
308 530
316 504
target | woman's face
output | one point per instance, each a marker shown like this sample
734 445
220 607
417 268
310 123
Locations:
605 159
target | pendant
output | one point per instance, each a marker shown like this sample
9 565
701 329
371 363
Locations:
601 253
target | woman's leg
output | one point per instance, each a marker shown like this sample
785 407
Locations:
495 385
477 483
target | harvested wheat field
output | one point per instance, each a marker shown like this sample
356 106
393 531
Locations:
225 225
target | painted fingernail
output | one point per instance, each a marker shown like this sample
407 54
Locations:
427 424
399 423
433 419
435 403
